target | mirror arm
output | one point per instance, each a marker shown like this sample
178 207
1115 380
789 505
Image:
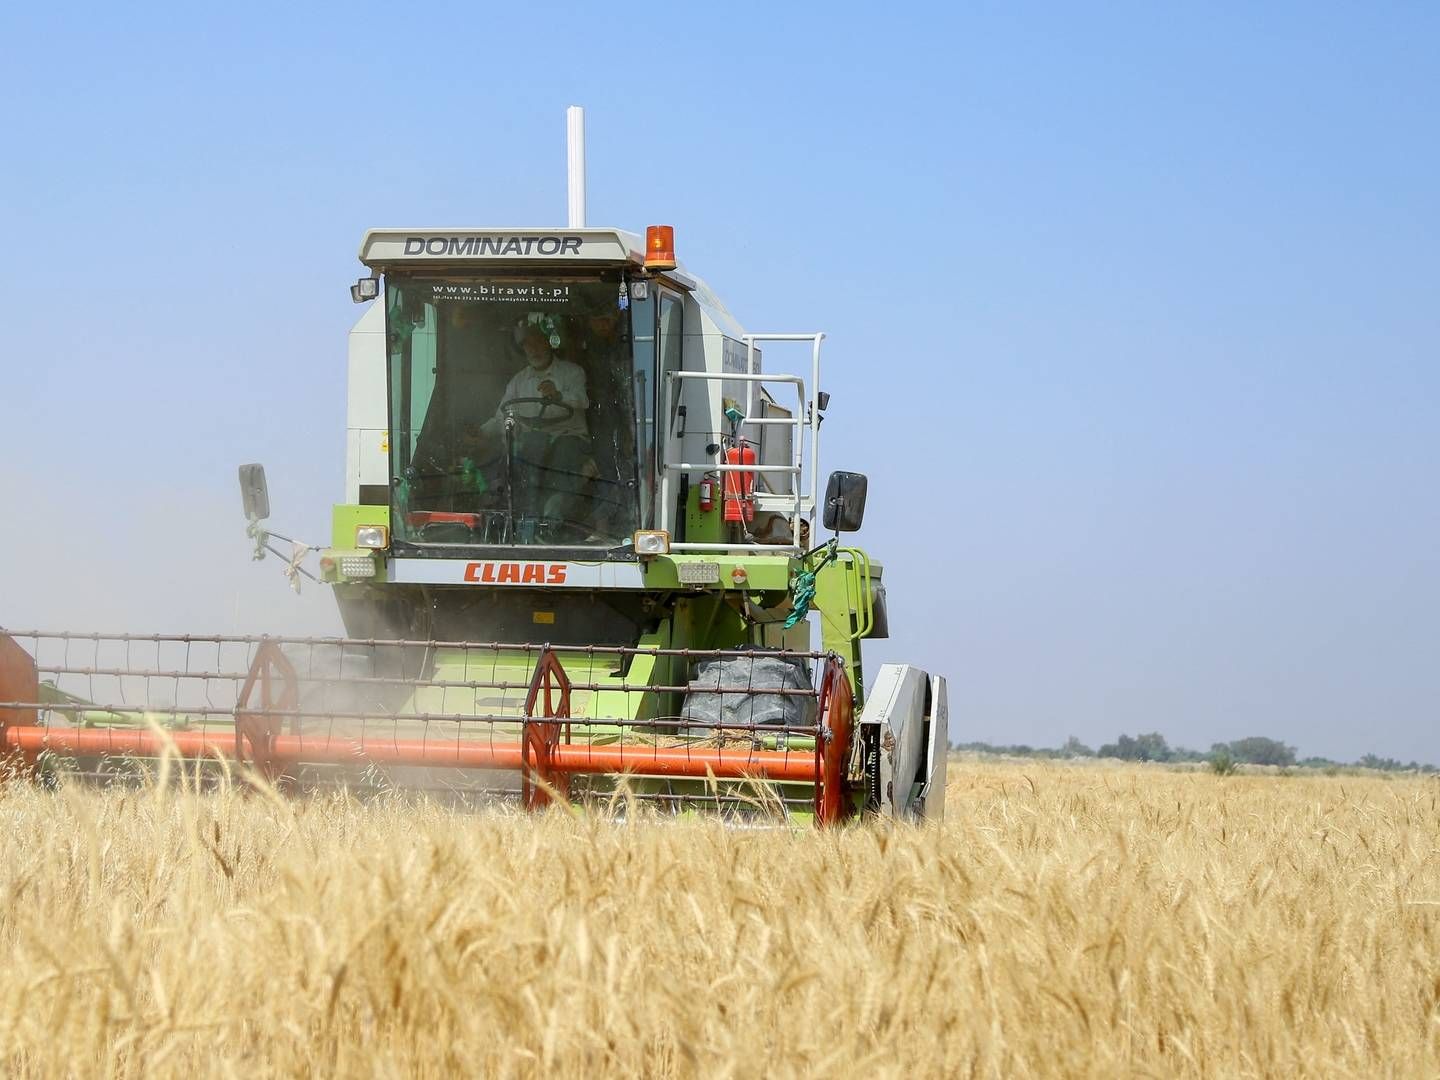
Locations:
288 558
262 536
833 541
256 532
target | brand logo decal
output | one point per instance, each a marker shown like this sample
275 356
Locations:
492 245
515 573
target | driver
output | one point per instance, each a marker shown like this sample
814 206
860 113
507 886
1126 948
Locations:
553 442
543 376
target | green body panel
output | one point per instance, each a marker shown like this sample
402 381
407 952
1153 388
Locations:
601 674
763 573
703 526
842 589
345 518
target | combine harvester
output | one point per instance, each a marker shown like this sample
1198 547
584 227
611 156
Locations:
578 543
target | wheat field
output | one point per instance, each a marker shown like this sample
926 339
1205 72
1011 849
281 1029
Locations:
1063 921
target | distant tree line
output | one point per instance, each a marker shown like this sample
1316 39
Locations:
1152 746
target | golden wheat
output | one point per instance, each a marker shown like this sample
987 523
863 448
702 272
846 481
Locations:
1062 921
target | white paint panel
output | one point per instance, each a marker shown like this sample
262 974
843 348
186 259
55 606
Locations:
365 374
939 751
366 461
373 458
489 572
896 702
352 466
777 443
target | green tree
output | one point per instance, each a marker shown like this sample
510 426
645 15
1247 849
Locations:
1258 750
1150 746
1374 761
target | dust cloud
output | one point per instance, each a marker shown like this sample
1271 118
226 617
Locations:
149 561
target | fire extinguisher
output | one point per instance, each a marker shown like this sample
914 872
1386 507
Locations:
707 493
740 486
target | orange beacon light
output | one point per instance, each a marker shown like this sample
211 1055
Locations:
660 247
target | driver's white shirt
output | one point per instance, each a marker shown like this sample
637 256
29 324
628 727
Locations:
568 380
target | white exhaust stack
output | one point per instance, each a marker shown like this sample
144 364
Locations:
575 144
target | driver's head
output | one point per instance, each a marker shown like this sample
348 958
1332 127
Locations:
537 348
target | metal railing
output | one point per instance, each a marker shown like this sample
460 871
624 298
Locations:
859 591
798 505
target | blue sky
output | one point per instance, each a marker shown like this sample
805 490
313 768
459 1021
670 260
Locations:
1132 312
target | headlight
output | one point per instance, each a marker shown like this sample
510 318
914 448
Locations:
372 536
357 566
652 542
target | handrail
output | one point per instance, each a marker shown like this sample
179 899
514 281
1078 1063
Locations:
739 376
797 506
859 571
686 548
794 499
690 466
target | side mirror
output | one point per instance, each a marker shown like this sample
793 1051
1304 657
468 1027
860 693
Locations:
256 495
845 501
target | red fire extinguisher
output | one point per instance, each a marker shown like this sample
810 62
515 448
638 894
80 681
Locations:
707 494
739 486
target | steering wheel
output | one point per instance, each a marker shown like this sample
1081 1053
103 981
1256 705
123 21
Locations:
540 420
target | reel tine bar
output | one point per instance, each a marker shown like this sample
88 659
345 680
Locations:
539 736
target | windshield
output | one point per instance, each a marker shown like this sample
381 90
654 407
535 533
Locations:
512 415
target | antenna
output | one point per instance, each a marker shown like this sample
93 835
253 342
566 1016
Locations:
575 145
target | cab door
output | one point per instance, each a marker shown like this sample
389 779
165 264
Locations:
649 348
670 337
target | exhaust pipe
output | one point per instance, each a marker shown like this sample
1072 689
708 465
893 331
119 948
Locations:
575 145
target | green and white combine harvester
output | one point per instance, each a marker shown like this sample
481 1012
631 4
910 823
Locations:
578 543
